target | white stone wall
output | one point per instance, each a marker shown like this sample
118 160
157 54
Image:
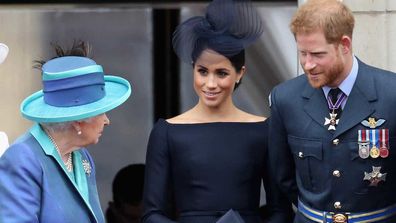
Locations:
374 39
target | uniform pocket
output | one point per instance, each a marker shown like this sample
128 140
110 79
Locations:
308 154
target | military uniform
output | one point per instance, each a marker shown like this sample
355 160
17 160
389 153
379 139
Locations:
343 175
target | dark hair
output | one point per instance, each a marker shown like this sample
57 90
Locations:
128 185
237 60
79 48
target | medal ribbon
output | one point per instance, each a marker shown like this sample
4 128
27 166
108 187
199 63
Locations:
367 135
338 103
384 137
374 138
361 135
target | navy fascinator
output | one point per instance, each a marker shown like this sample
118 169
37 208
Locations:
228 27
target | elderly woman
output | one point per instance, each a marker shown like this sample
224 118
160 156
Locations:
47 175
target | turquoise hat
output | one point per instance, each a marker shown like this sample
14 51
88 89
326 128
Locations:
74 88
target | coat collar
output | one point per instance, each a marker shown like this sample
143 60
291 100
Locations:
362 95
359 105
85 184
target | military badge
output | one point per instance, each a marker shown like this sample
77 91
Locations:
375 176
332 121
372 123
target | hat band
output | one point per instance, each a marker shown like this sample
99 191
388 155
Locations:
74 91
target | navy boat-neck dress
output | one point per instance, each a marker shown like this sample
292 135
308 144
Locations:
207 169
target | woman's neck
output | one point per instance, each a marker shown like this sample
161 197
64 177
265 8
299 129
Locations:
225 112
63 140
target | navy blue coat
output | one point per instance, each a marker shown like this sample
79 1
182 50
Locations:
304 153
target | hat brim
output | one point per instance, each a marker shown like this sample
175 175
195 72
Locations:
34 108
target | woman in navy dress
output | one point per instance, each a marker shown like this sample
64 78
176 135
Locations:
212 158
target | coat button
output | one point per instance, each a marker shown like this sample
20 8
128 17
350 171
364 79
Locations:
337 205
300 154
336 141
336 173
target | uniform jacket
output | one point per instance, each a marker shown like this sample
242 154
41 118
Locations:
35 188
306 155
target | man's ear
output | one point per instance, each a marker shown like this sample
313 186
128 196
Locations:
346 44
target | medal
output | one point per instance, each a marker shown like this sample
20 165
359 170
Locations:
333 121
364 144
364 150
384 152
375 176
374 151
384 139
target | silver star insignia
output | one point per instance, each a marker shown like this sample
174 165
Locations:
375 177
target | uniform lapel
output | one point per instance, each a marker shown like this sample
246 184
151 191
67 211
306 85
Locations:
316 106
359 104
357 108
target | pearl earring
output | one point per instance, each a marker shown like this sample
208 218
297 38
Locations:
237 82
79 132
